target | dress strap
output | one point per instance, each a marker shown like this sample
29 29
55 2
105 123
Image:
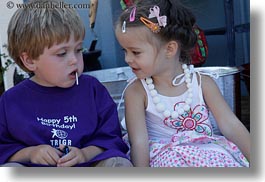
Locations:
211 74
179 79
129 82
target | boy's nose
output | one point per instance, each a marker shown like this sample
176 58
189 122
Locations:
73 59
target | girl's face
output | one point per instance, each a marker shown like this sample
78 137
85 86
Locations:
58 64
141 55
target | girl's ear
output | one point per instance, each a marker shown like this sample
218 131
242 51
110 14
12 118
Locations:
172 48
28 62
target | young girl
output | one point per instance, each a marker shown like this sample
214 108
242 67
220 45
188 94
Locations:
58 108
166 108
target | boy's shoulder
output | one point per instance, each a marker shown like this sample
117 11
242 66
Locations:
88 78
16 88
90 82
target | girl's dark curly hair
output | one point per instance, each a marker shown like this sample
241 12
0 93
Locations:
180 22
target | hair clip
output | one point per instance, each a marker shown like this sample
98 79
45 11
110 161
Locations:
123 28
132 14
154 12
154 27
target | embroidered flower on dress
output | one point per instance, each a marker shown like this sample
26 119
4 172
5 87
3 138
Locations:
191 120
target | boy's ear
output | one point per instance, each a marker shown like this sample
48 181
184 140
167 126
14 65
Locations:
27 61
172 48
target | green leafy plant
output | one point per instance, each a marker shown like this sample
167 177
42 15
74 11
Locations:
4 68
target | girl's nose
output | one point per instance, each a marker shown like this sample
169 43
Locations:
128 59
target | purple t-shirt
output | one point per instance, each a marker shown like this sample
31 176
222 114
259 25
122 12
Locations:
80 116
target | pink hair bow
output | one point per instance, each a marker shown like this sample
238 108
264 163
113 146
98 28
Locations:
154 12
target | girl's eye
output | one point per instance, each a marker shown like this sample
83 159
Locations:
125 51
136 52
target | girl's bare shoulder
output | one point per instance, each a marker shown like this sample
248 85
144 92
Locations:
135 89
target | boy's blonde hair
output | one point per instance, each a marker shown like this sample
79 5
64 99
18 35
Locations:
40 24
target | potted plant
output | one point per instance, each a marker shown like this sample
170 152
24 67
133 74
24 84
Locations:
4 68
18 74
1 81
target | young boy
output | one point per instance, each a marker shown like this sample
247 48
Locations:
58 117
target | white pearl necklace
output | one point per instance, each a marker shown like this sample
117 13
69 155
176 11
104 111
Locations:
160 107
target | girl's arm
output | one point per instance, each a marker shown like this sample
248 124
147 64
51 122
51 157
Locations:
135 123
230 126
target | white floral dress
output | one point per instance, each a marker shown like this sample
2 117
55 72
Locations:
188 141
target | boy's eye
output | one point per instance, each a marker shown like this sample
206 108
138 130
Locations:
80 50
61 54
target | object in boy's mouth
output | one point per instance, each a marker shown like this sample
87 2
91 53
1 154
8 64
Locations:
76 78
